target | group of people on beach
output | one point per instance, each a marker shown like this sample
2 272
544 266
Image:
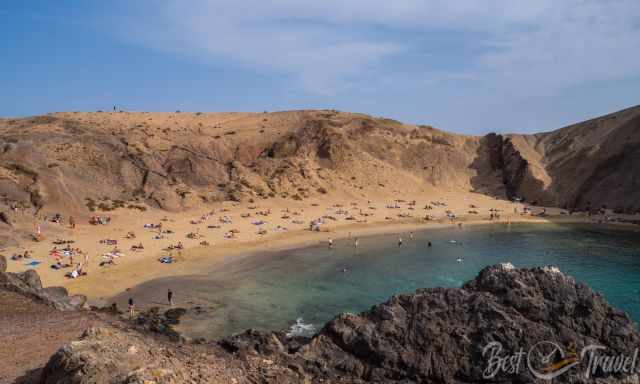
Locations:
225 218
64 258
356 241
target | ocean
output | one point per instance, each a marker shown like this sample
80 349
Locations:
301 289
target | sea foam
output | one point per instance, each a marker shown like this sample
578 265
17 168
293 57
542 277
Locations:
300 328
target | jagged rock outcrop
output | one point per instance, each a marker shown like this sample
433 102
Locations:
152 320
503 171
28 284
434 335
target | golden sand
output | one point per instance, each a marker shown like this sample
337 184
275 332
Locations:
138 266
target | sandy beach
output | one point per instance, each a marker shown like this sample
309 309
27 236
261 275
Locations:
227 184
286 226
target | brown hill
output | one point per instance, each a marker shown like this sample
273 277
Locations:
173 160
78 162
593 163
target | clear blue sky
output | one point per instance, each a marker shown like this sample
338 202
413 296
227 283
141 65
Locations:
465 66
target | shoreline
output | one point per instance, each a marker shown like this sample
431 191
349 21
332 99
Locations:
304 238
220 296
103 283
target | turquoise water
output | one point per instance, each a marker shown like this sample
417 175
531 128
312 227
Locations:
314 284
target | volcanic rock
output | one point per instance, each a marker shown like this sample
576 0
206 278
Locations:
436 335
28 284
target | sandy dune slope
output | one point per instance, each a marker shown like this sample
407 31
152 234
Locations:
77 162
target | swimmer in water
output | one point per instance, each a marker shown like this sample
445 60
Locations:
330 243
429 244
399 241
355 243
411 235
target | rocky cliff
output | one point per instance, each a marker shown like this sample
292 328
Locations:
432 336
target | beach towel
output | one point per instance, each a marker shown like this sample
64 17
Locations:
113 254
33 263
166 260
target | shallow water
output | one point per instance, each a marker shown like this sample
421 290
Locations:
312 285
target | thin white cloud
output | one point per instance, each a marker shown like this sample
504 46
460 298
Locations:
573 43
515 47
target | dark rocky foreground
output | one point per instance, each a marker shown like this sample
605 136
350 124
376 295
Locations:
34 322
438 335
432 336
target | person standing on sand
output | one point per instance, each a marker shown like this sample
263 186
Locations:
411 235
330 243
85 265
170 297
131 308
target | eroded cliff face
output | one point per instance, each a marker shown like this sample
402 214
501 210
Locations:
503 171
434 335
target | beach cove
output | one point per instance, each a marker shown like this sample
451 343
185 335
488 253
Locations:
302 288
285 226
